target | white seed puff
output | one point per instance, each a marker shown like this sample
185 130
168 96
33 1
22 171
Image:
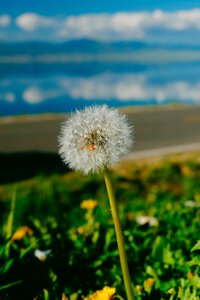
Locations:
94 138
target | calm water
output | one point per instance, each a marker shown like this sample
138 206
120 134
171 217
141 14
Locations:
50 87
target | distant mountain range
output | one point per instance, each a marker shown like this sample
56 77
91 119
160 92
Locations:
83 46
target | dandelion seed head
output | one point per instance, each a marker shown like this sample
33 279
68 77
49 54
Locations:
94 138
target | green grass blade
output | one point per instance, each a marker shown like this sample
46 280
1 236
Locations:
9 225
6 286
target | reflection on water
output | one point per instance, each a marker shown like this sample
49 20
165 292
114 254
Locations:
39 88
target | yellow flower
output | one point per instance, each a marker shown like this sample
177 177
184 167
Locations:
148 284
88 204
80 230
107 293
190 275
20 233
139 289
64 297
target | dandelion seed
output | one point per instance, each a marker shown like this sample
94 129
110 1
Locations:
94 138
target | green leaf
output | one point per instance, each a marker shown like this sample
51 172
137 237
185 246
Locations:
168 255
150 271
118 297
108 238
46 294
196 246
195 261
7 266
74 296
9 225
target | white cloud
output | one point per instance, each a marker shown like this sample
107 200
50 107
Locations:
128 87
116 26
178 20
134 25
106 86
112 86
8 97
128 25
32 21
32 95
104 26
5 20
35 95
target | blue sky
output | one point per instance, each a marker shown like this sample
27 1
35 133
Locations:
149 21
51 7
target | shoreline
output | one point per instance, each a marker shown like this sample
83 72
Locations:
125 109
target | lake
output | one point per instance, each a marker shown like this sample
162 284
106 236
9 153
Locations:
52 83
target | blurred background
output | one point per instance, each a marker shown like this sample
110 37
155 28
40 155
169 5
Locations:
56 57
63 55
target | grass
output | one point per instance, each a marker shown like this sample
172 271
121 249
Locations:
159 207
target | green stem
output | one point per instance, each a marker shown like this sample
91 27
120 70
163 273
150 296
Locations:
119 236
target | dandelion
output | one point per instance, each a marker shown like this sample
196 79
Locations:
80 230
148 284
91 141
107 293
94 138
21 233
88 204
